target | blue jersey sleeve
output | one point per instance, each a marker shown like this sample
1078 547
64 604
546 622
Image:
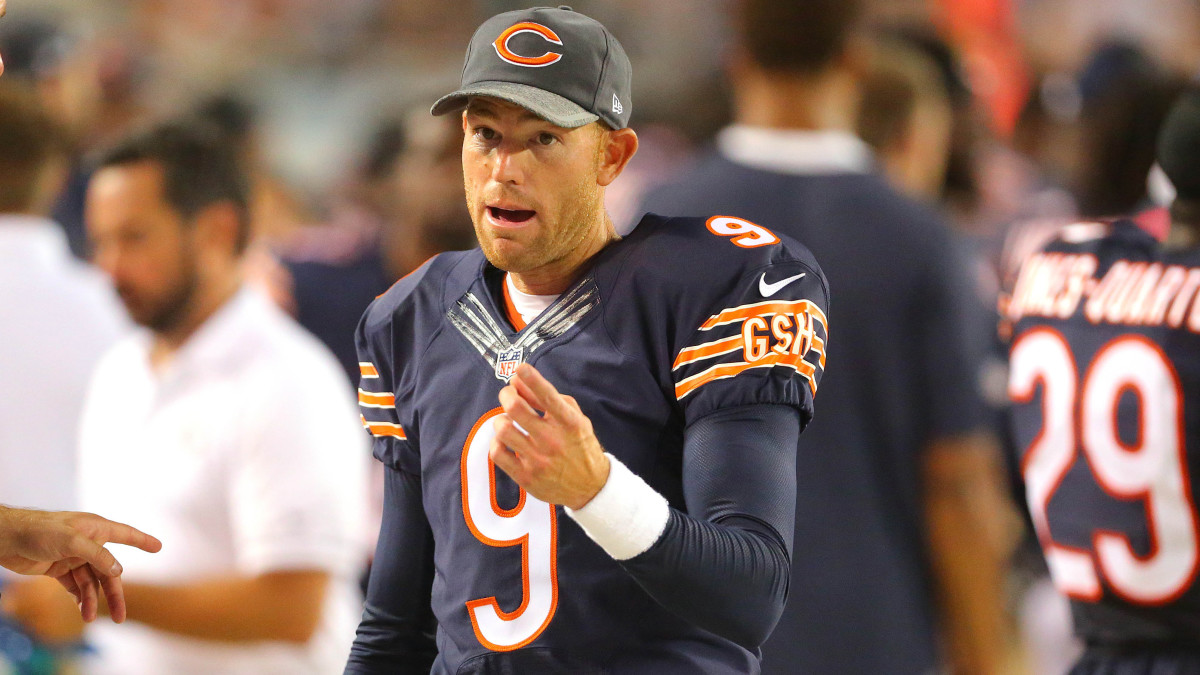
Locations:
387 356
762 341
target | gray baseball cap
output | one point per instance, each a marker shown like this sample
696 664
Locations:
557 63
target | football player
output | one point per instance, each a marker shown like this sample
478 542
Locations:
1105 379
589 440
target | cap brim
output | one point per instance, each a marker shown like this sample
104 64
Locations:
551 107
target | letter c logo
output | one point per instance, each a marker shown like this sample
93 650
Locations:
501 45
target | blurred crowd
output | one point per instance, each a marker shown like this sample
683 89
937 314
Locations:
1009 118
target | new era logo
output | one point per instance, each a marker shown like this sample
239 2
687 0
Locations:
617 107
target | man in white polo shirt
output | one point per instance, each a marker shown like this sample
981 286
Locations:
233 423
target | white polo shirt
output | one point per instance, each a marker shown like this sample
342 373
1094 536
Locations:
244 455
57 318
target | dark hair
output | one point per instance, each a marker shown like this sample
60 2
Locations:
387 142
200 166
1120 125
29 140
235 117
802 36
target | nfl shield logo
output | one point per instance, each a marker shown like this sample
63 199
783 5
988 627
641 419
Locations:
507 361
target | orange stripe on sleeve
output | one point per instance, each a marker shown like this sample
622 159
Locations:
767 308
372 399
725 370
367 369
707 350
381 429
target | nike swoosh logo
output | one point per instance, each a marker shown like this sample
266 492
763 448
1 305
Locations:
769 289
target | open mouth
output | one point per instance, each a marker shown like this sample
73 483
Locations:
510 216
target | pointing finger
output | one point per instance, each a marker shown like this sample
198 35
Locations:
120 533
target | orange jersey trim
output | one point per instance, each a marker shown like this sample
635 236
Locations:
367 369
727 370
766 308
381 429
514 317
372 399
707 350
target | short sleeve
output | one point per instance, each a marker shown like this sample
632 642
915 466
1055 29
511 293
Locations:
763 341
298 484
390 435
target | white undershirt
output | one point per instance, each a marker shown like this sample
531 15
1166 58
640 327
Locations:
526 304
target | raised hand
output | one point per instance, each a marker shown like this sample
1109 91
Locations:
557 457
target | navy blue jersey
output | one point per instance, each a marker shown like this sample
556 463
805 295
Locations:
682 318
1105 379
861 598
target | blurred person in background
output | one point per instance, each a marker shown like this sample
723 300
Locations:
86 84
1125 97
59 315
234 423
906 117
902 527
403 206
276 211
1105 383
58 319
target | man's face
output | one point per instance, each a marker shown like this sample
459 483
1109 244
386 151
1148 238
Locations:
531 186
143 245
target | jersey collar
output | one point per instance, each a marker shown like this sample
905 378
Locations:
795 151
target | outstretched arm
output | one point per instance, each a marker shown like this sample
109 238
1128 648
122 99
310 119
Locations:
69 547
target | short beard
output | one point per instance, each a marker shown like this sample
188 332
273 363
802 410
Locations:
173 309
574 228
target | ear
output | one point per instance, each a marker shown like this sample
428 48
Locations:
219 226
855 57
616 149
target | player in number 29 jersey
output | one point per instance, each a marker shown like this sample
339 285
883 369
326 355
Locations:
1105 379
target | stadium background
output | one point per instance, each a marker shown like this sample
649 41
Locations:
1050 108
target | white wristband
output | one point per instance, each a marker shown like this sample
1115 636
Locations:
626 517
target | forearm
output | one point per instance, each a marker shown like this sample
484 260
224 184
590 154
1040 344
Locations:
970 529
395 636
724 565
728 578
283 606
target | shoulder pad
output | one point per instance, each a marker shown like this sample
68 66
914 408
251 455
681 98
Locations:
712 252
